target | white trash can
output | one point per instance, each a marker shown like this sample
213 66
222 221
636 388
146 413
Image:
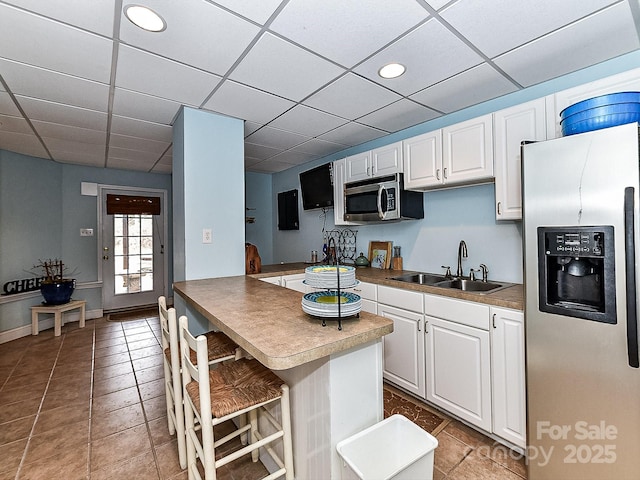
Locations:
395 448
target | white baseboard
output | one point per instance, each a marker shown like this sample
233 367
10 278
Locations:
45 324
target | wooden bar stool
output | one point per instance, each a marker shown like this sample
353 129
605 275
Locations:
219 348
229 391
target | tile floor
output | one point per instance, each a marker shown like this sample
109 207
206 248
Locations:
90 404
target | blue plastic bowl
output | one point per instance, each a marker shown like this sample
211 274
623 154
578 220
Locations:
601 112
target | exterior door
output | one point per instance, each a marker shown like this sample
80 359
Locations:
132 254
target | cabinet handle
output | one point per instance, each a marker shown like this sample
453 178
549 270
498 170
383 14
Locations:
426 322
419 325
437 174
368 169
499 205
445 173
493 320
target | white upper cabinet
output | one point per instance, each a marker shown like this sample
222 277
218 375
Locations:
455 155
467 151
378 162
338 170
628 81
512 126
423 161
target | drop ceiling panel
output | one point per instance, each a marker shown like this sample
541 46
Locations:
22 143
269 166
431 53
247 103
14 124
293 157
198 34
592 40
285 69
250 127
276 138
352 134
500 25
54 86
307 121
133 155
78 157
94 16
437 4
256 11
315 146
467 88
59 144
66 132
160 168
144 72
351 97
141 128
260 151
63 114
127 164
135 143
7 105
144 107
347 32
59 47
401 114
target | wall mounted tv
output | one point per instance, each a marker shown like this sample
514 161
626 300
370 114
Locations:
316 187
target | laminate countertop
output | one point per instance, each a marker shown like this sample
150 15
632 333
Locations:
510 297
268 322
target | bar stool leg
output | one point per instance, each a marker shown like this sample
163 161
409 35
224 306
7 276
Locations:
286 428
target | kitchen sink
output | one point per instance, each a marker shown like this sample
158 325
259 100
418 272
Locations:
470 285
441 281
420 278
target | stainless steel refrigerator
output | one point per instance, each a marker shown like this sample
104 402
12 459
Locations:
580 233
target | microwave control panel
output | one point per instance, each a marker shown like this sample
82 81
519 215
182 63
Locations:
391 199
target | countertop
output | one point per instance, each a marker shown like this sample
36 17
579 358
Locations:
268 322
510 297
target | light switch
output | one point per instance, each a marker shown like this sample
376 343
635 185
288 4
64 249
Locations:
86 232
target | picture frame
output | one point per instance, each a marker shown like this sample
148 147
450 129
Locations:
380 254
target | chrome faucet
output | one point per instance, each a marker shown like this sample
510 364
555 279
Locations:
462 253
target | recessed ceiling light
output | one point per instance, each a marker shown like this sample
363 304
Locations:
145 18
392 70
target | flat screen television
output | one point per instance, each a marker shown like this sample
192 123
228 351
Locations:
316 187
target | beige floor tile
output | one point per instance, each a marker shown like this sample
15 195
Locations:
63 398
142 467
144 343
113 349
68 464
57 417
449 453
168 461
145 352
119 447
11 455
116 400
479 467
159 429
150 374
467 435
107 423
155 407
112 359
18 380
152 389
142 334
77 381
113 384
54 442
23 392
16 410
16 429
112 371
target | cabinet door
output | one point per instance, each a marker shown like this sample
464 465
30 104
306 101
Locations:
386 160
458 370
338 192
423 161
512 126
508 372
404 349
358 167
467 151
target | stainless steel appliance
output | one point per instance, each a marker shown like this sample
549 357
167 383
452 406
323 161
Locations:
580 232
381 199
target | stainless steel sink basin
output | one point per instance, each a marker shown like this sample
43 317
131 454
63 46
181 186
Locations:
420 278
470 285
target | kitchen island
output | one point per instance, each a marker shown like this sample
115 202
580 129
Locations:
335 376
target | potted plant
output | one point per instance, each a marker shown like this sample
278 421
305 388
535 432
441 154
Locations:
55 289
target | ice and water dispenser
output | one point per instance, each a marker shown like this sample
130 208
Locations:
576 268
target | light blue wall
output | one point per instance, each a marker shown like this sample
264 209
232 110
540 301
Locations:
258 194
41 213
450 215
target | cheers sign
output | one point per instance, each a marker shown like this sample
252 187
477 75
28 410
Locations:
21 286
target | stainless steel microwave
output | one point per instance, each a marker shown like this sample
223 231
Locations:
381 199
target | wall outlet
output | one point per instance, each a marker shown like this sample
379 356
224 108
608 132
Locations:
207 236
86 232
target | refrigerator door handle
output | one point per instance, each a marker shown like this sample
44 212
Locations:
630 269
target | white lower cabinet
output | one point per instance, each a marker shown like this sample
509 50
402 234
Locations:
508 374
404 347
368 296
295 282
458 358
275 280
